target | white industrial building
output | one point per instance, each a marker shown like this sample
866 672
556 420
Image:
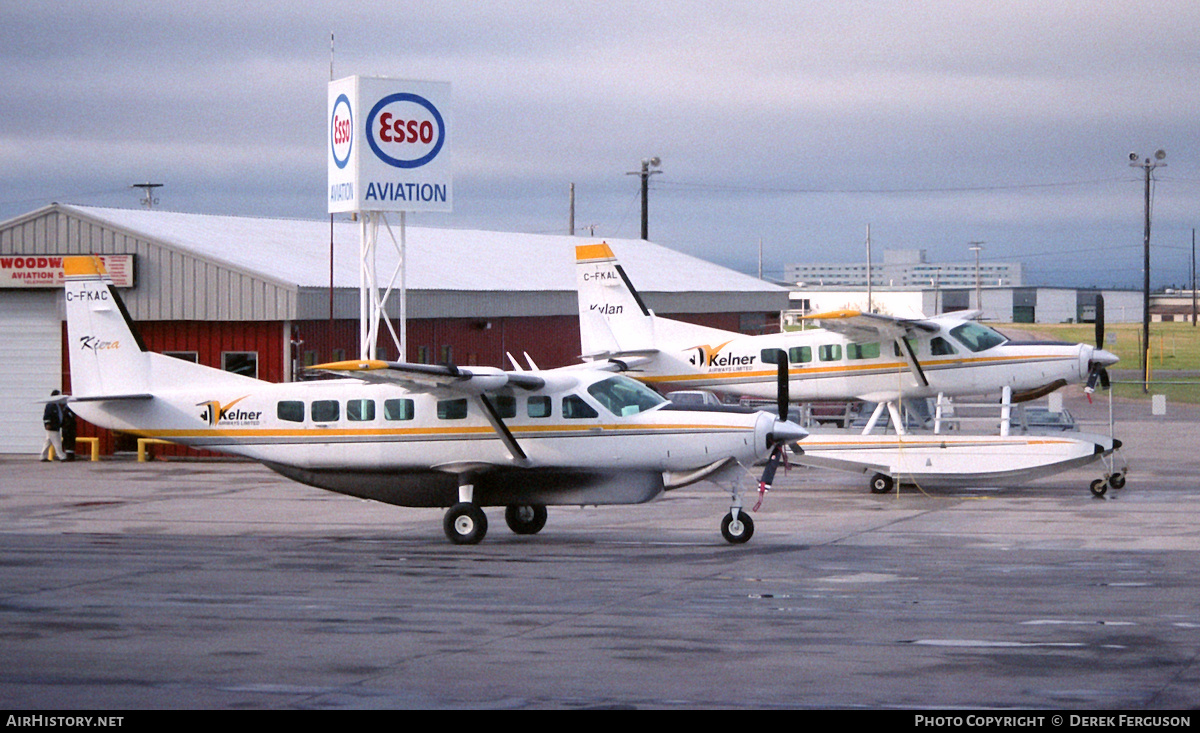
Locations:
1003 305
905 268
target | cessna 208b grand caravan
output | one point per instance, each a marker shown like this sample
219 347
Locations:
854 355
419 435
857 356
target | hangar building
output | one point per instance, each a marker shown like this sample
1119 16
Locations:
261 296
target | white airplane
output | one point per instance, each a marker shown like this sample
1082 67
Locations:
853 356
856 356
419 435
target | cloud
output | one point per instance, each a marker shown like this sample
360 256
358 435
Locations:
797 123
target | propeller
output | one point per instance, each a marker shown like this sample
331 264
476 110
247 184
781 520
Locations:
1097 369
784 431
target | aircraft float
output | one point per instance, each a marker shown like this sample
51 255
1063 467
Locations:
854 355
420 435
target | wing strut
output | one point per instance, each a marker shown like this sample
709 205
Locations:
911 358
502 431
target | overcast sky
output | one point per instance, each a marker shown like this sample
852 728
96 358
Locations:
794 124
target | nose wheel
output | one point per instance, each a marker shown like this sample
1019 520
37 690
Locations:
737 527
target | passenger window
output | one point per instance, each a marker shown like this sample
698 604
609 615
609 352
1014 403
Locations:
538 407
360 410
830 352
574 408
451 409
771 356
941 347
800 354
862 351
291 411
325 411
397 409
912 344
505 406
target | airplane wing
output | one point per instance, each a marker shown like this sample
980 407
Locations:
866 327
430 377
859 326
473 382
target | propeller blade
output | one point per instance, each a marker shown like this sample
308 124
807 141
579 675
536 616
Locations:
1099 321
1104 383
768 476
782 399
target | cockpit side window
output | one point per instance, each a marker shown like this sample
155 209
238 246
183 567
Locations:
574 408
976 337
939 346
623 396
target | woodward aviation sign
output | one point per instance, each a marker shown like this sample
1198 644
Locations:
45 271
388 145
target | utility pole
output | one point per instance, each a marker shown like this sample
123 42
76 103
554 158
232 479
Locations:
571 215
1148 167
1193 277
870 303
645 173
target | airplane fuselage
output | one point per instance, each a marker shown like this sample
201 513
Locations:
384 442
823 365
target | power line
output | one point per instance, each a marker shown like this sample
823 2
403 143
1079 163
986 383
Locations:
886 191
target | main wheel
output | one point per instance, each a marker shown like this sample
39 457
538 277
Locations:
738 530
465 524
525 518
1099 487
881 483
1117 480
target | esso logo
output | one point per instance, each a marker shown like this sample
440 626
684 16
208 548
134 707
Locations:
405 130
341 131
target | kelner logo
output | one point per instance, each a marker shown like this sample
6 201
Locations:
405 130
214 413
706 356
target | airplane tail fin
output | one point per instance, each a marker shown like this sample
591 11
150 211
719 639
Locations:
613 319
108 359
107 356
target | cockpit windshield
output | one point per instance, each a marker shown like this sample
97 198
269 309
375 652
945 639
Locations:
623 396
976 337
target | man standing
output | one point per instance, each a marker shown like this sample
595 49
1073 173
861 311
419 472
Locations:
52 422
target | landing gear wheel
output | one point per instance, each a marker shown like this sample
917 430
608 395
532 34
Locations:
1117 480
881 484
465 524
525 518
737 531
1099 487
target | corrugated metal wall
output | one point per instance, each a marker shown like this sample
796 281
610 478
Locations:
169 284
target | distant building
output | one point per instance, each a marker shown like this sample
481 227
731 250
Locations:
904 268
1005 305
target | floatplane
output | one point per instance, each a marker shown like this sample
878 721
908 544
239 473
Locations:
853 355
420 435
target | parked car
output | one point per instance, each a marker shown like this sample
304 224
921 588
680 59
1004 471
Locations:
694 398
1042 418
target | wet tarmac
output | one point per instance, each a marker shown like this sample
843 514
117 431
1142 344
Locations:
208 584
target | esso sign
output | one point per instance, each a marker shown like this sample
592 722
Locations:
405 130
341 131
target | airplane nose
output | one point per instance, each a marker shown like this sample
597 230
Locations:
1104 358
786 431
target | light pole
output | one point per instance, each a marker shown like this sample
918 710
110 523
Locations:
645 173
1148 167
977 247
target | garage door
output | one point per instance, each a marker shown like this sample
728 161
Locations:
30 364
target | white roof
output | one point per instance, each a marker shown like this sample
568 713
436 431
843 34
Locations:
297 251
